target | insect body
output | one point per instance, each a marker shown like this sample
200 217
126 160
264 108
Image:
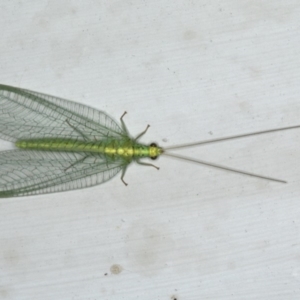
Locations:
114 148
63 145
110 149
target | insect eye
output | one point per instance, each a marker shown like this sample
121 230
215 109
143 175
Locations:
153 157
153 145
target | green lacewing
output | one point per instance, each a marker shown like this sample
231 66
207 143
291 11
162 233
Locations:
63 145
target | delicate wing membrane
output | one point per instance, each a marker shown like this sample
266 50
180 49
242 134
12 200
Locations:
26 114
25 172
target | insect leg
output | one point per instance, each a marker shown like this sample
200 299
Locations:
146 164
123 123
126 130
142 133
123 174
77 130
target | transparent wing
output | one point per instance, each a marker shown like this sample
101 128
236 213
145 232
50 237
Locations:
27 114
25 173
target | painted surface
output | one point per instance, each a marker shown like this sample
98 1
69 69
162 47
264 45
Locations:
193 70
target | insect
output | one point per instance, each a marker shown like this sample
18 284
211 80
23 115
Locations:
62 145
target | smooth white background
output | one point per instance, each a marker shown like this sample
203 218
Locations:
193 70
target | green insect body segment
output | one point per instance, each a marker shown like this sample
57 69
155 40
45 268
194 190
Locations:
62 145
114 148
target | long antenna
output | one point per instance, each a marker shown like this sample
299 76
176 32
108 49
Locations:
222 167
230 137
